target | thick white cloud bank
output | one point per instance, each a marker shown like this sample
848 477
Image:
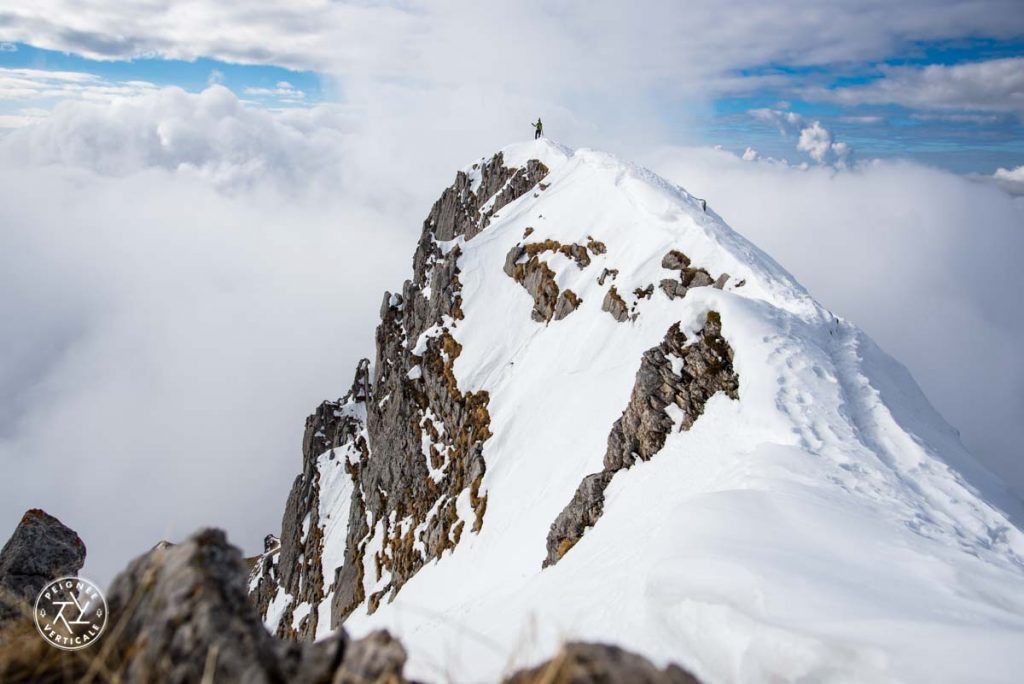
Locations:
211 135
183 278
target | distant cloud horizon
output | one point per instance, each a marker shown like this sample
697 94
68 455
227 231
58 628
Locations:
192 253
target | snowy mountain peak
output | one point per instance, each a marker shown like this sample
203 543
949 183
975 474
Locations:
597 412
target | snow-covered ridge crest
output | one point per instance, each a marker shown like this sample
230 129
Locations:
776 499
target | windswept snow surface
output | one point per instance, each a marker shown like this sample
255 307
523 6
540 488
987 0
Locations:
817 529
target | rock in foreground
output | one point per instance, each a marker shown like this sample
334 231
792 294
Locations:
41 549
183 614
579 663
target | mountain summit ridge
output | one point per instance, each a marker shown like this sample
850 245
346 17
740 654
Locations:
598 412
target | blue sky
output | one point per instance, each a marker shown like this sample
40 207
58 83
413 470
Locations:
938 81
964 140
193 76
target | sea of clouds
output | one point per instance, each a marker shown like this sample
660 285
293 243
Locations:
183 277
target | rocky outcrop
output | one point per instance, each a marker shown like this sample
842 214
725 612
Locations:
675 381
463 210
377 657
182 613
410 439
582 663
41 549
525 264
582 512
614 304
199 584
689 276
419 488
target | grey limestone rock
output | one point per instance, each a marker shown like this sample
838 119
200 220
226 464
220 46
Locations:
525 264
41 549
293 563
181 613
587 663
614 304
704 369
689 276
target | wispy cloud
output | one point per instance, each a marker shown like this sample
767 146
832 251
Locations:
991 86
863 120
979 119
40 84
284 92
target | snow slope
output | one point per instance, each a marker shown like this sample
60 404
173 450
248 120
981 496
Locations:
816 529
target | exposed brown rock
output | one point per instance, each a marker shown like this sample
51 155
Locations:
461 211
587 505
293 563
606 273
416 396
614 304
596 246
417 445
675 260
689 277
705 368
673 288
582 663
644 292
537 278
566 304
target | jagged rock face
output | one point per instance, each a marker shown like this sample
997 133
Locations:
410 441
581 663
294 563
461 210
425 433
673 384
335 437
41 549
675 546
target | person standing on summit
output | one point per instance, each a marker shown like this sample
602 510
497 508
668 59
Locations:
538 129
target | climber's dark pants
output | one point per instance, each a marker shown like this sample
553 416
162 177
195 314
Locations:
536 134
